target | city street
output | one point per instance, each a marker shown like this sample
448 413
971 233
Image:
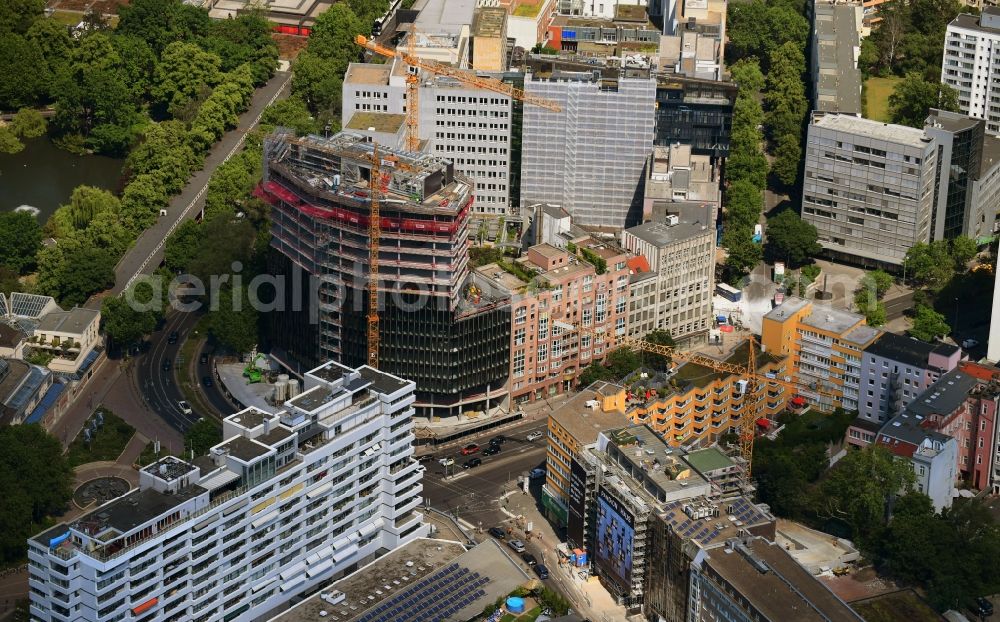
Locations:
157 387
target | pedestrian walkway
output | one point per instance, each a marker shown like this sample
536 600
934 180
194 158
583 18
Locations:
589 597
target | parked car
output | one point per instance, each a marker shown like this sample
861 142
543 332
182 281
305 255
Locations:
517 545
172 337
534 436
471 462
446 461
185 407
470 449
491 450
207 381
425 458
499 439
970 343
537 473
498 533
529 559
542 571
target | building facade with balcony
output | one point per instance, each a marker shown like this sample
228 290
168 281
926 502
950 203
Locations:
825 347
567 311
895 369
285 503
969 62
695 403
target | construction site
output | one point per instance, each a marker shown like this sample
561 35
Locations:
427 323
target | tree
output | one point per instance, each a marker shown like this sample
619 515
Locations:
234 323
185 72
593 373
658 337
873 310
929 265
183 246
10 281
877 282
19 15
160 22
747 75
750 166
8 141
861 488
963 249
332 36
35 481
85 204
202 436
291 113
28 123
928 324
914 96
123 323
788 150
231 242
791 238
743 254
318 83
20 240
24 75
72 272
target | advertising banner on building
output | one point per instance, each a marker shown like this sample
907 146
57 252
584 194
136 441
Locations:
614 537
577 506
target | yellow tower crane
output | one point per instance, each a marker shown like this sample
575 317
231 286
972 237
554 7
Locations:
464 76
745 371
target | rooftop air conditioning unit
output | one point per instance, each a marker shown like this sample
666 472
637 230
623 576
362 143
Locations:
672 219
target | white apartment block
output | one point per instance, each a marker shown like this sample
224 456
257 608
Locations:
970 60
681 255
285 503
869 188
467 125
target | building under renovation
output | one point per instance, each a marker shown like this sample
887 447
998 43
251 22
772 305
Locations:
435 326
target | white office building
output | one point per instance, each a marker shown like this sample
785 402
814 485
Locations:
970 60
286 502
470 126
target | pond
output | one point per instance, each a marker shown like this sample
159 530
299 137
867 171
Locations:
43 177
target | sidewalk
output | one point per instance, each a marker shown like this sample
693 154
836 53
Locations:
589 598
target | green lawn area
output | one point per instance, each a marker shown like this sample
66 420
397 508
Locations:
107 444
877 92
528 616
67 18
528 10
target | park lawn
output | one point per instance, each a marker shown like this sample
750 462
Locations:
877 92
107 444
528 616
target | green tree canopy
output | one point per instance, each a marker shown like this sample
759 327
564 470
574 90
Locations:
962 250
743 254
184 75
291 113
791 239
747 75
8 141
85 204
160 22
234 323
70 272
28 123
125 324
24 74
35 481
928 324
17 16
20 240
929 265
914 96
202 436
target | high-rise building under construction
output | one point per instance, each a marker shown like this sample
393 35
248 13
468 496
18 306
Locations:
454 345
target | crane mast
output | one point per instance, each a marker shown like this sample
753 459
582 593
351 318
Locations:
374 233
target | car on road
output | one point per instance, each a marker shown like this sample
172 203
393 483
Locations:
499 439
203 358
172 337
471 462
970 343
446 462
491 450
207 381
537 473
498 533
470 449
166 365
517 545
185 407
542 571
534 436
425 458
529 559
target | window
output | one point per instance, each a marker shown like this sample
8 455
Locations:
519 363
520 315
543 327
620 305
543 352
519 337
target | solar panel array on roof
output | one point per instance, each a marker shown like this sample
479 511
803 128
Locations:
435 598
29 305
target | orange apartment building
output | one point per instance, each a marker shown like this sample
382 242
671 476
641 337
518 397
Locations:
553 294
697 403
824 346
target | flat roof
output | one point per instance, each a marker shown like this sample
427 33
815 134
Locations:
991 155
661 235
368 73
249 418
722 519
131 510
902 349
944 396
858 126
585 424
398 576
790 306
488 21
450 16
832 319
376 122
709 459
382 382
244 448
74 321
647 453
837 37
862 335
776 585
